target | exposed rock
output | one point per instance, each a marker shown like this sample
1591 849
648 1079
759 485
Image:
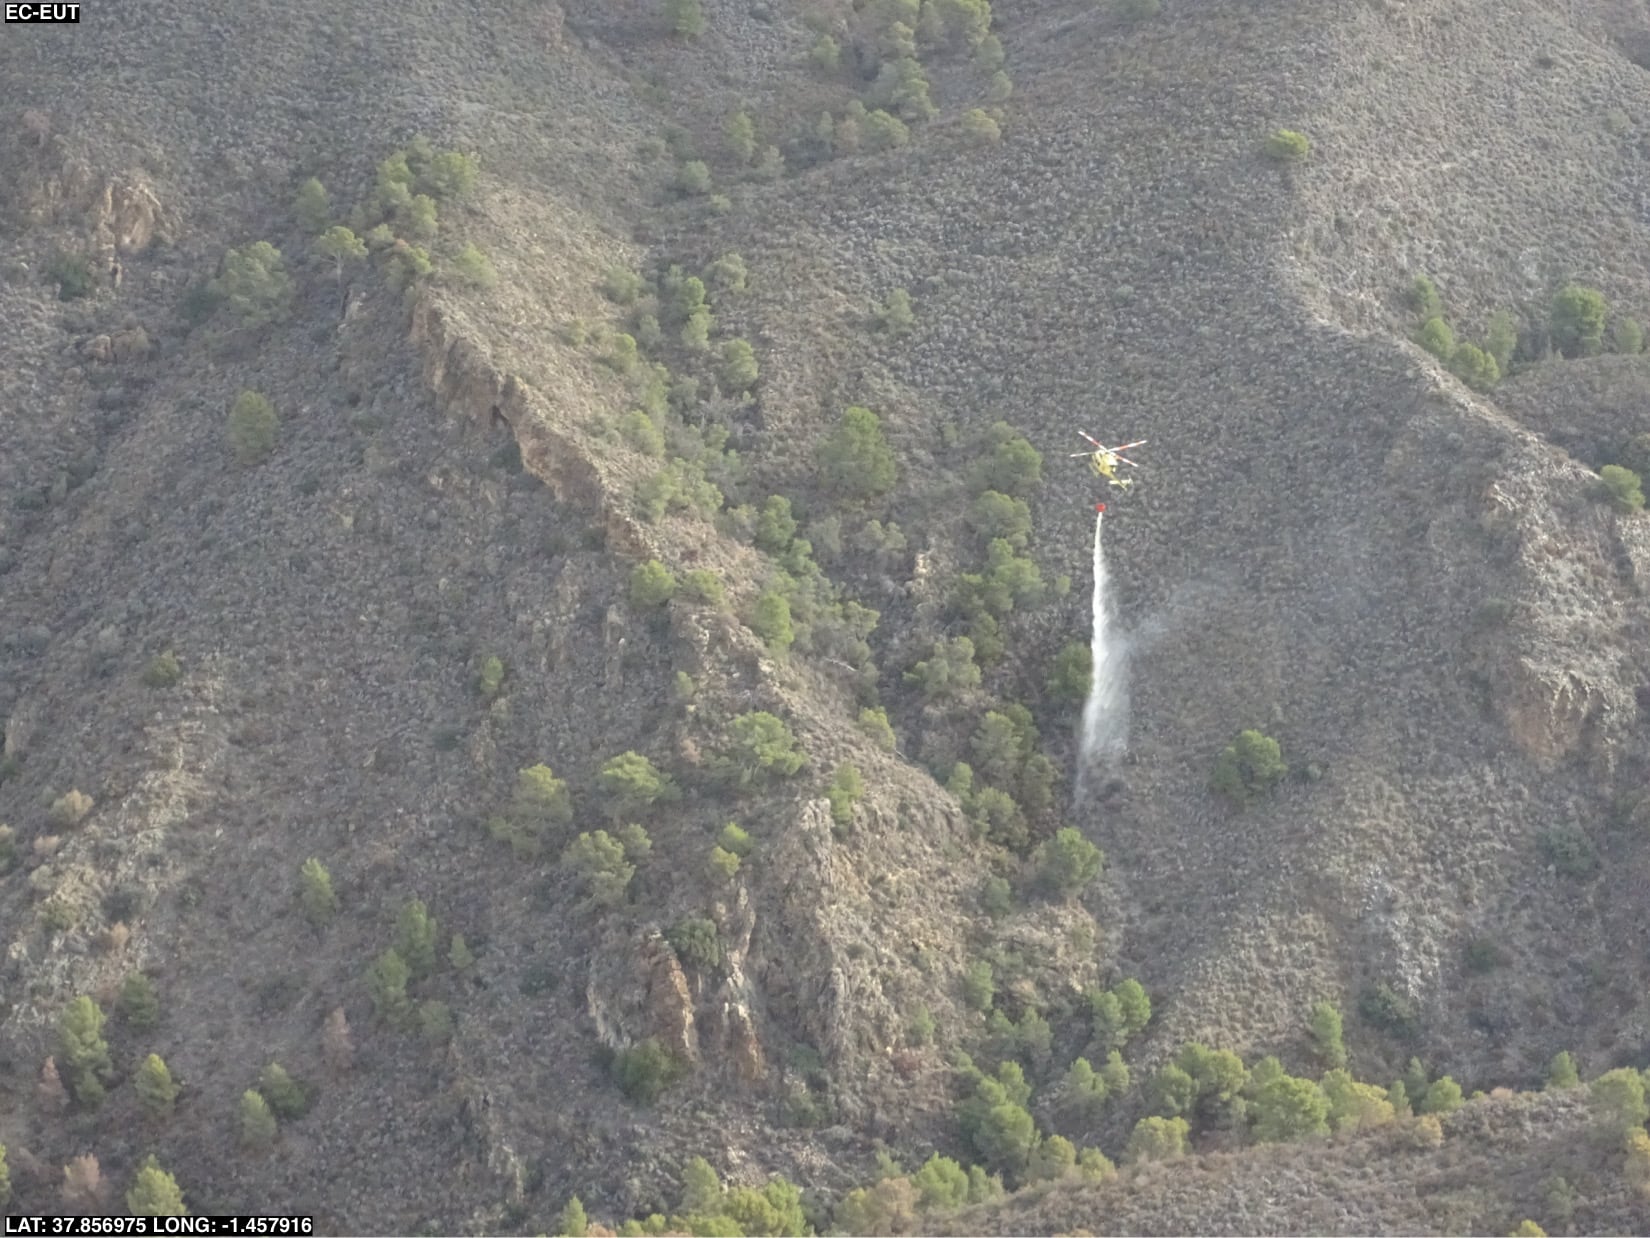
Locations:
645 994
464 379
128 216
1548 712
669 1003
132 344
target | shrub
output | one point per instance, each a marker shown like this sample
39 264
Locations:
978 985
155 1088
645 1071
1475 367
1011 465
1435 336
1083 1090
1120 1014
286 1096
724 863
997 515
651 585
950 671
1067 863
844 792
685 17
1287 1109
1286 146
693 178
405 265
902 87
997 897
257 1124
435 1021
1325 1027
1561 1071
459 955
1219 1079
919 1029
895 316
635 784
1622 487
387 986
1071 672
415 937
775 526
573 1223
1355 1106
1636 1168
1618 1100
1501 339
621 355
82 1049
740 133
696 943
600 861
155 1193
1157 1139
621 285
69 809
1442 1096
1627 336
1006 579
490 678
254 284
540 801
980 128
738 371
1423 298
1000 88
1249 766
1577 325
702 587
473 268
1172 1092
735 840
72 273
1136 10
728 273
162 670
252 427
771 620
138 1006
341 245
1383 1007
886 132
642 433
759 747
315 892
826 54
1570 851
1528 1229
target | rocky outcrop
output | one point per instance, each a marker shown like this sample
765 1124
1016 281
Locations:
734 998
132 344
1550 713
464 379
638 990
127 217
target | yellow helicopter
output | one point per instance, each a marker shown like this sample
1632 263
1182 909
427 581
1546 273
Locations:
1104 460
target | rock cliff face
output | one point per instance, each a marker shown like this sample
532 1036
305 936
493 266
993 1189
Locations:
467 384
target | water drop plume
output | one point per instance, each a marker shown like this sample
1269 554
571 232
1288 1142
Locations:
1106 712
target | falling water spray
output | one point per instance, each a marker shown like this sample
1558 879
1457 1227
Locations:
1106 712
